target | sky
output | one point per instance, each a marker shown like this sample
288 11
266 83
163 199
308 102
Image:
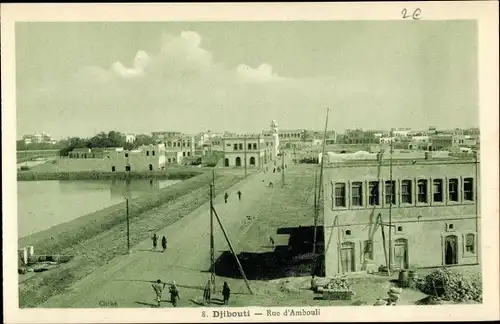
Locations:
80 78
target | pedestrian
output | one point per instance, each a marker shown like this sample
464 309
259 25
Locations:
207 292
274 170
226 292
158 288
174 294
239 195
155 241
270 184
164 243
286 166
226 195
271 240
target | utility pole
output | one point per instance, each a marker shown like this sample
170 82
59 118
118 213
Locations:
320 189
315 211
128 227
212 247
240 268
282 167
245 150
213 181
393 195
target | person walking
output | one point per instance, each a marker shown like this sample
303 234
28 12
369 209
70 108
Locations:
158 288
164 243
155 241
226 292
207 292
174 294
226 195
239 195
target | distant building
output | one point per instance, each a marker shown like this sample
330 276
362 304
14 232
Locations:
441 142
38 138
130 138
164 135
179 143
145 158
251 150
434 208
359 136
81 153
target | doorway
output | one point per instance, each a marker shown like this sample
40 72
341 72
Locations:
252 161
150 167
127 168
401 254
113 169
347 257
238 161
226 162
450 250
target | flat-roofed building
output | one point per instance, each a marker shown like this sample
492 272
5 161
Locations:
431 206
145 158
255 149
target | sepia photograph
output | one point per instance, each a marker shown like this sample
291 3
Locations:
249 169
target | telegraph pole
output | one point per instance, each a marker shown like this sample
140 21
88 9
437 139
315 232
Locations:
315 211
282 167
320 189
128 227
393 193
245 148
212 248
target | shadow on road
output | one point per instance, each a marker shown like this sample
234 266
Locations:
146 304
143 250
292 260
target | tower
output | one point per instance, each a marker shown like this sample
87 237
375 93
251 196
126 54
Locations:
276 140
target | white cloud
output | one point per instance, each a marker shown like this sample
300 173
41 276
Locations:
264 73
180 55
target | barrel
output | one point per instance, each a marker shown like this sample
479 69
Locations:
403 278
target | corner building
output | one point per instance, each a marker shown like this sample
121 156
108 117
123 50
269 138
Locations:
435 214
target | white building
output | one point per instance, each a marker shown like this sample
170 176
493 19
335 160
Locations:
251 150
130 138
145 158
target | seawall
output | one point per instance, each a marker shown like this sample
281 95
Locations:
176 174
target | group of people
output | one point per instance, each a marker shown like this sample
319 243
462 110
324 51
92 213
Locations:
159 286
226 196
163 242
207 293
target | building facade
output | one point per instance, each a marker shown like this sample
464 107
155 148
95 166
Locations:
145 158
430 207
252 148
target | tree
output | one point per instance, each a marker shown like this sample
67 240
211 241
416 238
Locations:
143 139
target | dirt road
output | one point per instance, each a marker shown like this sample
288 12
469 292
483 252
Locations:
126 280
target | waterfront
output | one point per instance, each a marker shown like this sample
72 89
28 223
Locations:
43 204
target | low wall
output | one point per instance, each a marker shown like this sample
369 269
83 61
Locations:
96 175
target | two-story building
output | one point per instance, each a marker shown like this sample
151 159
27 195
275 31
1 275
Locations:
250 150
429 206
179 146
145 158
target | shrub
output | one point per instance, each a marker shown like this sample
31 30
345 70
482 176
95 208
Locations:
452 286
25 168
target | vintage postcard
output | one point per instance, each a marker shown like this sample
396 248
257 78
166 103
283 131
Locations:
250 162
